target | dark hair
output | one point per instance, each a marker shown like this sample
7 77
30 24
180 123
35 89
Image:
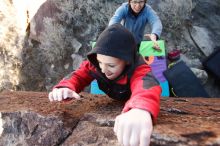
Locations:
130 1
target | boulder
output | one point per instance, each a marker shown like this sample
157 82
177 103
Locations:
28 118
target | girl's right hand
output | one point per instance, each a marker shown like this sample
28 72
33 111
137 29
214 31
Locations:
59 94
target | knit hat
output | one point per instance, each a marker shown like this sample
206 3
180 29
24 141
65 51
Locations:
115 41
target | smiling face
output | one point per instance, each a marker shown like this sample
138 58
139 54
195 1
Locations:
112 67
137 5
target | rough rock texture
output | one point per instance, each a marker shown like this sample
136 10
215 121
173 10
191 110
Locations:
28 118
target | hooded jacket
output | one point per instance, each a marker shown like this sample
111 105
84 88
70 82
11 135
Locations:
135 84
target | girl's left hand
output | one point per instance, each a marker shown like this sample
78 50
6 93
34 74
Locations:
134 128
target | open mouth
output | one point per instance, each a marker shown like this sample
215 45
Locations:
109 74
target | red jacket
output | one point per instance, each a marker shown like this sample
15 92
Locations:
145 94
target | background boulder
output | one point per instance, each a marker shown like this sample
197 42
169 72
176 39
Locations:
42 47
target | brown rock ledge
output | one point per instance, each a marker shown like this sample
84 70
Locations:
28 118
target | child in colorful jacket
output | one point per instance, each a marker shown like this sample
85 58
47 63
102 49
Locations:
122 74
135 15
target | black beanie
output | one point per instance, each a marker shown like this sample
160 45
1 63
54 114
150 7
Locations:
115 41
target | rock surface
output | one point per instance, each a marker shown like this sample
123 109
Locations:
28 118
